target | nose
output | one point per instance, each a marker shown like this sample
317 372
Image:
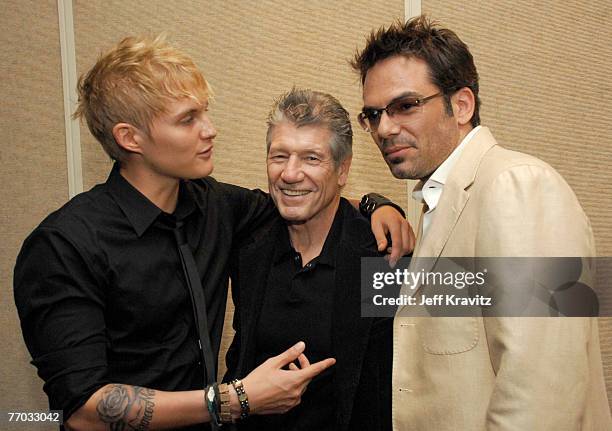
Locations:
207 131
386 126
292 171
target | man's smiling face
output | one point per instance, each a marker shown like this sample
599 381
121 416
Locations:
303 179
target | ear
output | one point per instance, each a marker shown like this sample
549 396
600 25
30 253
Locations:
343 171
464 104
128 137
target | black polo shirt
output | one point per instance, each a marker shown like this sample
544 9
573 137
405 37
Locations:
298 306
101 293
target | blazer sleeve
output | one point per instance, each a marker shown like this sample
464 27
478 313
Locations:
530 211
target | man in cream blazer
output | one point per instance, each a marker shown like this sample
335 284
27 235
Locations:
420 92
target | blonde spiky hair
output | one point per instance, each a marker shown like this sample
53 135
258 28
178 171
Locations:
133 83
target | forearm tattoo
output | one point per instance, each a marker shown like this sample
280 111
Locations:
126 407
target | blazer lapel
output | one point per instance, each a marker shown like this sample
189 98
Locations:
452 202
419 238
445 218
455 194
350 331
253 283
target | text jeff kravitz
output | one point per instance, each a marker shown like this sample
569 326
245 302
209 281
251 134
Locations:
433 300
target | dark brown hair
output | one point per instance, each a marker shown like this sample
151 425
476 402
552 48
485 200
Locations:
451 65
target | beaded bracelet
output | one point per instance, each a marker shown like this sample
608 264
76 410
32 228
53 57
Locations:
242 397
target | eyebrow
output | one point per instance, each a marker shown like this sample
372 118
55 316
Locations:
190 110
316 151
396 98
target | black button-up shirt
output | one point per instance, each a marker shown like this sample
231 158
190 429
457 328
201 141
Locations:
101 293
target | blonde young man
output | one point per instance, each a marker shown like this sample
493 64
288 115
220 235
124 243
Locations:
421 106
103 286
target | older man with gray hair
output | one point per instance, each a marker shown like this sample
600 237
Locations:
299 277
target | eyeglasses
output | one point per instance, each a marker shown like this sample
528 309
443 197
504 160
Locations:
400 109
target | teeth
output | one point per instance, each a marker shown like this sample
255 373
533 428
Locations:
295 192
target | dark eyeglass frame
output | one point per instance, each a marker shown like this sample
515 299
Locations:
365 116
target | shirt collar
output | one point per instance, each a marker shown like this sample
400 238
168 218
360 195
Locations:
328 252
284 250
138 209
430 191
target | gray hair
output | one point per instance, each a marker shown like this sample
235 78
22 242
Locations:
307 107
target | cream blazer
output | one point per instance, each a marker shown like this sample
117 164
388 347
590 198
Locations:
508 373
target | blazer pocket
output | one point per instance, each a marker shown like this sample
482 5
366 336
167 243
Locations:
448 335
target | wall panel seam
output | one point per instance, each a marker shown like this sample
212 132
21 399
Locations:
69 84
412 8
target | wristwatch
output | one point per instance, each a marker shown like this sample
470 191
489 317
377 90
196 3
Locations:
372 201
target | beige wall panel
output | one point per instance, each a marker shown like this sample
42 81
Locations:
547 90
250 52
33 175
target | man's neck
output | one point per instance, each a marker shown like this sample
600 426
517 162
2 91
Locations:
161 190
463 131
308 238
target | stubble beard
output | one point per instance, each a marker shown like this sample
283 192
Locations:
399 166
429 156
413 172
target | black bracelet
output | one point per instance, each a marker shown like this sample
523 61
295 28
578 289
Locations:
372 201
212 402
